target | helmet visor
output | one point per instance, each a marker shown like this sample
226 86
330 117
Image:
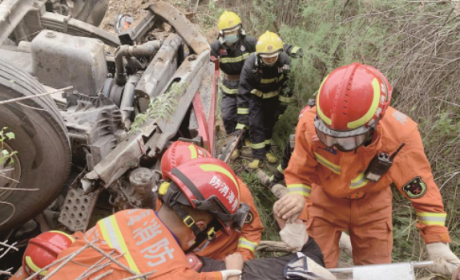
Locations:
344 140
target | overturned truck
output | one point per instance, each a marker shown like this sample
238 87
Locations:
93 112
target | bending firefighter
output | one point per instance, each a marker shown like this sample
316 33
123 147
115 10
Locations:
349 150
263 95
232 49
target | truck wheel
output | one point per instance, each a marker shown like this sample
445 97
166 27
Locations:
43 150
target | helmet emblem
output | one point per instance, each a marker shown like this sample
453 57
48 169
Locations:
230 22
270 48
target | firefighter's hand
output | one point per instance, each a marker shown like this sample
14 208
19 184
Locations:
445 262
289 206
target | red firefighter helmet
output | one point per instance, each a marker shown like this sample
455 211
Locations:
206 184
44 250
178 153
350 102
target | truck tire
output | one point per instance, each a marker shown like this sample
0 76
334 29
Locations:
43 156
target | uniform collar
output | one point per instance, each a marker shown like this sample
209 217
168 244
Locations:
173 235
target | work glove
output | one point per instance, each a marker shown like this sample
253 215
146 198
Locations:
295 52
229 273
445 262
280 110
295 235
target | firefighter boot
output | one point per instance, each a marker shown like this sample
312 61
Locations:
254 164
235 154
270 158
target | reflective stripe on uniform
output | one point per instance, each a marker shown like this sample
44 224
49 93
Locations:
286 99
114 238
333 167
246 244
234 59
265 95
258 145
239 126
432 219
272 80
359 182
280 169
299 189
371 112
268 142
243 111
228 90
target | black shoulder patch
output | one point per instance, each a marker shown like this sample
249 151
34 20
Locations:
415 188
249 218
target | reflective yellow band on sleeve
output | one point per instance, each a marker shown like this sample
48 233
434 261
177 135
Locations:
286 99
268 141
432 219
265 95
228 90
359 182
331 166
302 189
234 59
257 146
246 244
272 80
240 126
243 111
280 169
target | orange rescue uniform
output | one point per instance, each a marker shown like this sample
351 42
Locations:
339 198
146 244
244 242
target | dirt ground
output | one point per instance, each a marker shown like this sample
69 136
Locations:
135 8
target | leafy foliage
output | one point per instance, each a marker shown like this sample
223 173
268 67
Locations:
414 43
6 156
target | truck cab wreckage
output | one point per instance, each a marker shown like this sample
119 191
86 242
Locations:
113 104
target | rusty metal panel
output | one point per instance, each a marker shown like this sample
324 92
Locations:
189 75
11 14
159 71
182 25
75 27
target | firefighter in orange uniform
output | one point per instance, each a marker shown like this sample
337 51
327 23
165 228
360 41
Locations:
348 151
144 241
244 242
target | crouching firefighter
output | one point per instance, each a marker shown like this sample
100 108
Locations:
349 150
202 198
244 241
232 48
263 91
